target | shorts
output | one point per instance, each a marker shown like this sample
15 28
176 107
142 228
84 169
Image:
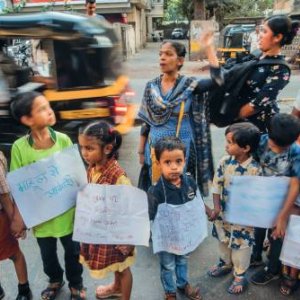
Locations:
9 245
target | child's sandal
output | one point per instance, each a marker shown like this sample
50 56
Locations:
288 285
190 292
238 282
78 294
52 290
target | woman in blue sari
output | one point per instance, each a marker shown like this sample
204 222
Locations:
176 105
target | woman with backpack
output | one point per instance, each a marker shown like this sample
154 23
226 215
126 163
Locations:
263 85
175 105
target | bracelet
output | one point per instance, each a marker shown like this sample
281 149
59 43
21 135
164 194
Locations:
141 152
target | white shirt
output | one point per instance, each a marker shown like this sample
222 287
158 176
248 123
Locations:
253 40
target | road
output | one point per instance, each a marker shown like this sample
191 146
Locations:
146 286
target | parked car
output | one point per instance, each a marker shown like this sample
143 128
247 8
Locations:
178 33
83 81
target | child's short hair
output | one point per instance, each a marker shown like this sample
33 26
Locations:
284 129
168 143
22 105
105 134
244 134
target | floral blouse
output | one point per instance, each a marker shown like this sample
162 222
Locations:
236 236
262 89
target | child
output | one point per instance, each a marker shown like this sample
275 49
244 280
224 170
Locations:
99 144
278 156
9 245
235 241
33 110
173 188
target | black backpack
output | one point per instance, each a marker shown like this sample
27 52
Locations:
224 103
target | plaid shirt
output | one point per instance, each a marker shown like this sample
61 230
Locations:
4 189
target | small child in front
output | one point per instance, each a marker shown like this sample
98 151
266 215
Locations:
235 241
33 110
9 247
173 188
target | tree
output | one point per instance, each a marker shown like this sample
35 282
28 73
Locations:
219 8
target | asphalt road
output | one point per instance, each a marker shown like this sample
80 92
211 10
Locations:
146 286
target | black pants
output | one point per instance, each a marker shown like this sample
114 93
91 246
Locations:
259 235
274 264
52 268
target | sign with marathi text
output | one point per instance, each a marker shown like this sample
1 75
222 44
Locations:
112 214
256 200
179 229
48 188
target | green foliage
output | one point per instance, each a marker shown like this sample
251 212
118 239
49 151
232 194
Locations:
16 8
179 9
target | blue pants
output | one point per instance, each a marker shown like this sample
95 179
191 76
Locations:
170 264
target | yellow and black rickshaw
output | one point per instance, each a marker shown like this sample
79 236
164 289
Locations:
75 62
234 41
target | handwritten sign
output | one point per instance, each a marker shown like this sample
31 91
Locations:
290 253
112 214
48 188
179 229
255 200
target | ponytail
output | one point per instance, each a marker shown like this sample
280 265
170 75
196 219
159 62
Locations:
282 24
105 134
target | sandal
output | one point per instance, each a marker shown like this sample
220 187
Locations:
190 292
107 291
238 282
52 290
288 285
78 294
170 296
219 270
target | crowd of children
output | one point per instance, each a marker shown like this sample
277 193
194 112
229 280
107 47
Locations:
249 153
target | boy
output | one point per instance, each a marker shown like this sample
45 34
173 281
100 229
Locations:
9 245
33 110
235 241
176 189
278 155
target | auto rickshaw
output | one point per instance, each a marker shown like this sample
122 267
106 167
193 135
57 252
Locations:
76 64
233 41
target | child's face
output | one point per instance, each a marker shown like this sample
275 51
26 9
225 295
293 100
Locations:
232 148
42 114
91 150
172 164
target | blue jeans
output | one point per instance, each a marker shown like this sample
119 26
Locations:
170 263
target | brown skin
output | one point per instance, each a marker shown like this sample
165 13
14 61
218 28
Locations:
96 154
170 63
90 9
269 44
18 259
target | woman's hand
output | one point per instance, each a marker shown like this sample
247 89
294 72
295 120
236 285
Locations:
206 39
206 42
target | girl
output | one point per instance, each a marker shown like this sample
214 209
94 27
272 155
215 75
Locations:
176 105
99 144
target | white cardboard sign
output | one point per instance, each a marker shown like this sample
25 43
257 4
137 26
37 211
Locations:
112 214
48 188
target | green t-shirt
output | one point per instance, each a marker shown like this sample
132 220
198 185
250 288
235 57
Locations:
23 154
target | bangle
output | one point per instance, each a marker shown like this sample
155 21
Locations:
141 152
